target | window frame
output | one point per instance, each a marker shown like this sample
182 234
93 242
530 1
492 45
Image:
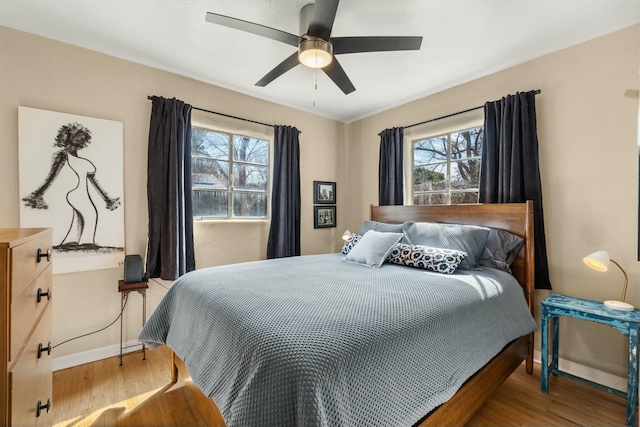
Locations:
231 190
447 126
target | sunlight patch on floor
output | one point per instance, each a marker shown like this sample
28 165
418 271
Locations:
121 408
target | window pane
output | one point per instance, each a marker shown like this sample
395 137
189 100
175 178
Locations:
214 173
220 161
465 174
249 205
466 143
429 178
430 199
431 183
249 177
206 143
210 203
250 150
430 150
464 197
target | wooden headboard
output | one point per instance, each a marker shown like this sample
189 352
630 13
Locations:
516 218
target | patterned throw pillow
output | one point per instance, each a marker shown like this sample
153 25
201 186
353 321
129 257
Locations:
427 258
350 243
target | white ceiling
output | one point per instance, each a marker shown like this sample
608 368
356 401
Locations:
463 40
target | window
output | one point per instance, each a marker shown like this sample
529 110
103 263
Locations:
230 175
446 168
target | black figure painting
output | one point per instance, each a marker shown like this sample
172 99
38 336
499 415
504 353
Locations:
72 181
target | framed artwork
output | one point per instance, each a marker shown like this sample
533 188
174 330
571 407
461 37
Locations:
324 193
324 216
71 179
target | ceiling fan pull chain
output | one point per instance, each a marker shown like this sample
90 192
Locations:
315 83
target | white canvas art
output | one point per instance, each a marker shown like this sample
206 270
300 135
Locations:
71 179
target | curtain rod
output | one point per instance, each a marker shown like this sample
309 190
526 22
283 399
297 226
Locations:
536 92
226 115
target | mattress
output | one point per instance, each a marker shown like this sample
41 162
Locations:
316 341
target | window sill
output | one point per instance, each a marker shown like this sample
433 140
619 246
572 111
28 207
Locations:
231 220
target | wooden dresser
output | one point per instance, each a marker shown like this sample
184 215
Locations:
25 323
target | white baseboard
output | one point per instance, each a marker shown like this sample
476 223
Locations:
588 373
77 359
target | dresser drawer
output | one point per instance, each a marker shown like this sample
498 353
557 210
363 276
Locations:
26 309
30 380
24 263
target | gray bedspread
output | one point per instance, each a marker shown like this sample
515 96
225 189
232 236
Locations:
316 341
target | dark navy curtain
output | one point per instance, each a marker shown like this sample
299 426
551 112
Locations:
284 234
170 248
390 168
510 169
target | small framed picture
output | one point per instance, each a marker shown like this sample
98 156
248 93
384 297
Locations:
324 216
324 193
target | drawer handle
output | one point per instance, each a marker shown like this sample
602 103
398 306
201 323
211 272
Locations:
43 255
47 294
40 407
41 349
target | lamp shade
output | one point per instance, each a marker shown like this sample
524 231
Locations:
346 235
598 260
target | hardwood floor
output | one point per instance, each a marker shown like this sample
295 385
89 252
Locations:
137 394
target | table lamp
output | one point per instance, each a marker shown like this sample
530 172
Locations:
599 261
346 235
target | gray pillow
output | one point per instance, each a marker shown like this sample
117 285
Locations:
382 227
373 248
500 250
466 238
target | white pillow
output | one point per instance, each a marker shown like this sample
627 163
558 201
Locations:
373 248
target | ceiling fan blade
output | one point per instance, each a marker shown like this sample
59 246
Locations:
321 22
254 28
279 70
343 45
339 77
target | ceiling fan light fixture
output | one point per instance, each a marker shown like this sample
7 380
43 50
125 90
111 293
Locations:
313 52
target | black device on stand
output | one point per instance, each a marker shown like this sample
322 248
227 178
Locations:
132 269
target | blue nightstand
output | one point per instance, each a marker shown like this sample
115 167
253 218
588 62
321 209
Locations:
627 322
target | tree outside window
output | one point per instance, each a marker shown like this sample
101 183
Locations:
230 175
446 168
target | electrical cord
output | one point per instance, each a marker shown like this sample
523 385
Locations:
126 298
158 283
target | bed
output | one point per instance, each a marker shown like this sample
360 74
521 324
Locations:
348 345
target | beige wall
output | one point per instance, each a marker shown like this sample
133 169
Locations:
588 136
587 127
41 73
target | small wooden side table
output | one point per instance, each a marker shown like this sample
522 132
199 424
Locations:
125 289
626 322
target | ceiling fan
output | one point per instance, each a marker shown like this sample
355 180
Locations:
316 47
